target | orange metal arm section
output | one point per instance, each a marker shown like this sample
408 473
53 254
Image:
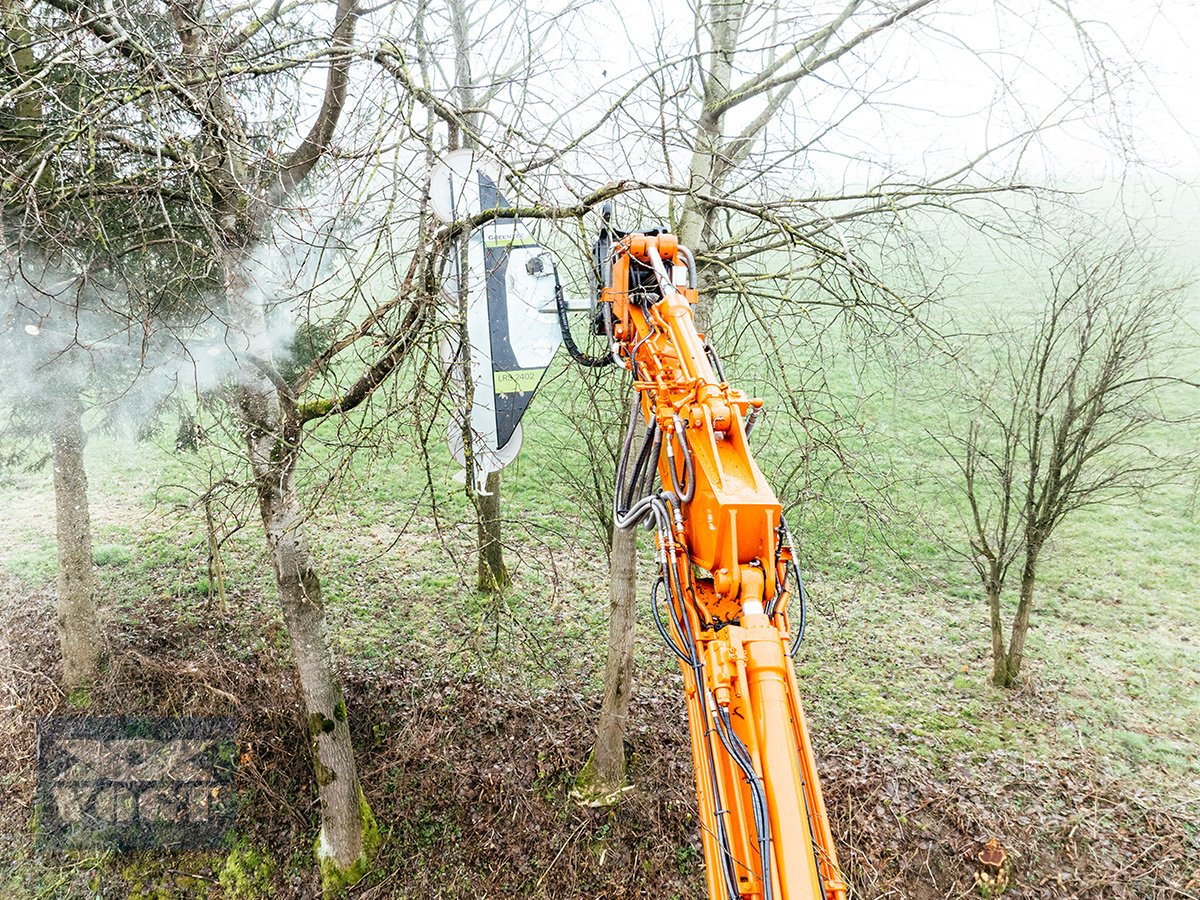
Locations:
764 827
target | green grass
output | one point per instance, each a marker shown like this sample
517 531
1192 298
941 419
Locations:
35 564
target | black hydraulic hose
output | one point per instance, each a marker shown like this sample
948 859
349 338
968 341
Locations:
690 657
662 508
622 499
633 483
796 641
651 463
758 799
689 473
711 352
816 849
721 725
682 626
791 566
591 362
662 628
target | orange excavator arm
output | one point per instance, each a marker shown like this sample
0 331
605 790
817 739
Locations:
723 598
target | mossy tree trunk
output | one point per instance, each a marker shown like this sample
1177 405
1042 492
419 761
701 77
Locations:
78 620
21 127
605 773
347 836
273 428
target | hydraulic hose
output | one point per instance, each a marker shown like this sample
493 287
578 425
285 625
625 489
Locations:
740 804
791 567
583 359
638 482
799 638
634 481
686 493
758 800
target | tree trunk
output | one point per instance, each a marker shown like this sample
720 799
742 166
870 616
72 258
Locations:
1020 627
993 584
348 834
695 223
606 773
78 625
493 574
702 310
999 657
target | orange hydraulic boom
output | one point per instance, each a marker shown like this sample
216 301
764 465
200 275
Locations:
726 565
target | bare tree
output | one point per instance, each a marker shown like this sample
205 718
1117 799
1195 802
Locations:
1056 423
491 573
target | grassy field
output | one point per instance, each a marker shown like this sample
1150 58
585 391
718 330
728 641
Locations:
897 652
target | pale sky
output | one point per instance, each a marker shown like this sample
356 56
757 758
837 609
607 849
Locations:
912 102
975 72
